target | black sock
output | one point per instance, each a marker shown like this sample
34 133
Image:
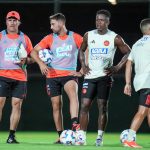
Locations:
12 133
59 133
74 120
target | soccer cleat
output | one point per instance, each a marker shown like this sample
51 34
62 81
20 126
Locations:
132 144
58 142
99 141
75 127
12 140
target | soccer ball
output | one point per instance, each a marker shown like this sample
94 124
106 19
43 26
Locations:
22 53
80 138
46 56
124 136
68 137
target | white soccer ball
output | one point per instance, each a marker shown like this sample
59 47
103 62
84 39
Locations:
22 53
80 137
124 136
46 56
68 137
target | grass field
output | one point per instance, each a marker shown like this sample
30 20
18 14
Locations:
44 141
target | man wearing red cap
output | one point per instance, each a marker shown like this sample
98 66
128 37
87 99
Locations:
15 46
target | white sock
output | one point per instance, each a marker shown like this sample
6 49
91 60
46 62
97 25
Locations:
100 133
131 134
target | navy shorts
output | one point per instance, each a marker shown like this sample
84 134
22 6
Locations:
12 88
98 87
144 98
54 85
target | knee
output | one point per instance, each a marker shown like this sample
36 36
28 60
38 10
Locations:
2 103
103 107
84 108
142 113
56 107
17 105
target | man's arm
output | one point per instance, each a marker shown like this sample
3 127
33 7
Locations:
128 74
82 50
125 49
35 55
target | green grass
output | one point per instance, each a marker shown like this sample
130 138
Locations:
44 141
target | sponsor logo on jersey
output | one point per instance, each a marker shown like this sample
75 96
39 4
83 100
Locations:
64 51
85 85
99 51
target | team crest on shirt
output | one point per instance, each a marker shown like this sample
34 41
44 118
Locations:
48 90
106 43
148 100
84 91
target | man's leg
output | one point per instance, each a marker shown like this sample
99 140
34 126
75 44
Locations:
104 85
2 103
14 118
54 92
71 88
57 112
139 117
135 125
102 120
84 113
103 114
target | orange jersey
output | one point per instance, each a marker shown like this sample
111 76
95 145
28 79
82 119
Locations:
47 41
17 74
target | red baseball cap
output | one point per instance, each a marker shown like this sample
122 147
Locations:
14 14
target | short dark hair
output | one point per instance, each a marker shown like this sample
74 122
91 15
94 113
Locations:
104 12
144 23
58 16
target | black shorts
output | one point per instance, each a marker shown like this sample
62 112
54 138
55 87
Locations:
144 98
98 87
54 85
12 88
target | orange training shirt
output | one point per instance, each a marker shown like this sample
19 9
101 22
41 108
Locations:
17 74
47 41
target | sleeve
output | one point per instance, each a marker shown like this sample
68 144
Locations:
78 39
131 55
29 45
46 42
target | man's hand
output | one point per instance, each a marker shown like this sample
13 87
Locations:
127 89
86 70
111 70
76 73
20 62
44 68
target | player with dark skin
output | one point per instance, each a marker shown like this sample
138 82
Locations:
102 23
